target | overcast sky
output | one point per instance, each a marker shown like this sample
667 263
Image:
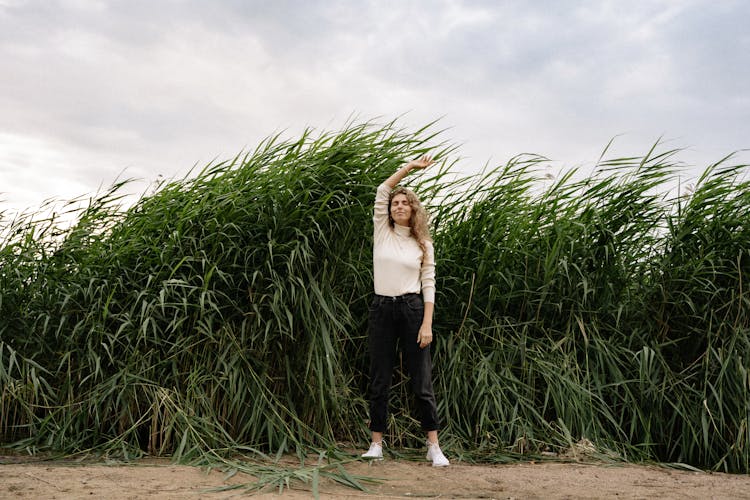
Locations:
90 90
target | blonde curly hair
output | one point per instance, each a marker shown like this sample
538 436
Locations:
419 226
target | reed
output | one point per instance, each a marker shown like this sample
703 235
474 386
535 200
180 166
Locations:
225 312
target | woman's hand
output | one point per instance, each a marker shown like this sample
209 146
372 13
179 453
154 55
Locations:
424 337
420 163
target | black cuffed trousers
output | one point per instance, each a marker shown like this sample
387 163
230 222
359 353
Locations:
397 320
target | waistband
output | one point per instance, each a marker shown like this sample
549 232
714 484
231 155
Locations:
398 298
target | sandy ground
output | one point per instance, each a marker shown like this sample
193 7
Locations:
149 479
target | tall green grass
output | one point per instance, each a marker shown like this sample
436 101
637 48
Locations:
226 312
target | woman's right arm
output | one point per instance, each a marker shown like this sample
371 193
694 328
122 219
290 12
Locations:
380 216
423 162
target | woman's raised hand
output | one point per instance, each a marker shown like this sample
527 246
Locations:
423 162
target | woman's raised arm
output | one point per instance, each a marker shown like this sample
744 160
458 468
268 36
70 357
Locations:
423 162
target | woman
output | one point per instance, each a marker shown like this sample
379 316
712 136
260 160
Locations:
403 269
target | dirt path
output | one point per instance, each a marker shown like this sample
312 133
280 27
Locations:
400 479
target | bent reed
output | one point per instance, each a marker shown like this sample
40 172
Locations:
224 314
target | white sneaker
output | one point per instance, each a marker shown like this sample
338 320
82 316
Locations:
375 452
435 454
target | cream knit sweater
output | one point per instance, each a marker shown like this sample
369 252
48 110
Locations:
398 266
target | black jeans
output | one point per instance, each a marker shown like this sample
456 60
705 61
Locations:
395 319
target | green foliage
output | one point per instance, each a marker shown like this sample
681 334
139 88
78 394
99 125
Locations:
226 311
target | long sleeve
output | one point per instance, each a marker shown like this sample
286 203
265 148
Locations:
380 213
427 274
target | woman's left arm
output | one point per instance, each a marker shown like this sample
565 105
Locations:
424 337
427 278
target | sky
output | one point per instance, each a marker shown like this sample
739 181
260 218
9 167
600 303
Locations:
94 91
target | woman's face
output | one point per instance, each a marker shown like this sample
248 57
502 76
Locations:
401 210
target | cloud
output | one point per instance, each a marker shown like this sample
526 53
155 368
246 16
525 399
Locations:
155 88
20 160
